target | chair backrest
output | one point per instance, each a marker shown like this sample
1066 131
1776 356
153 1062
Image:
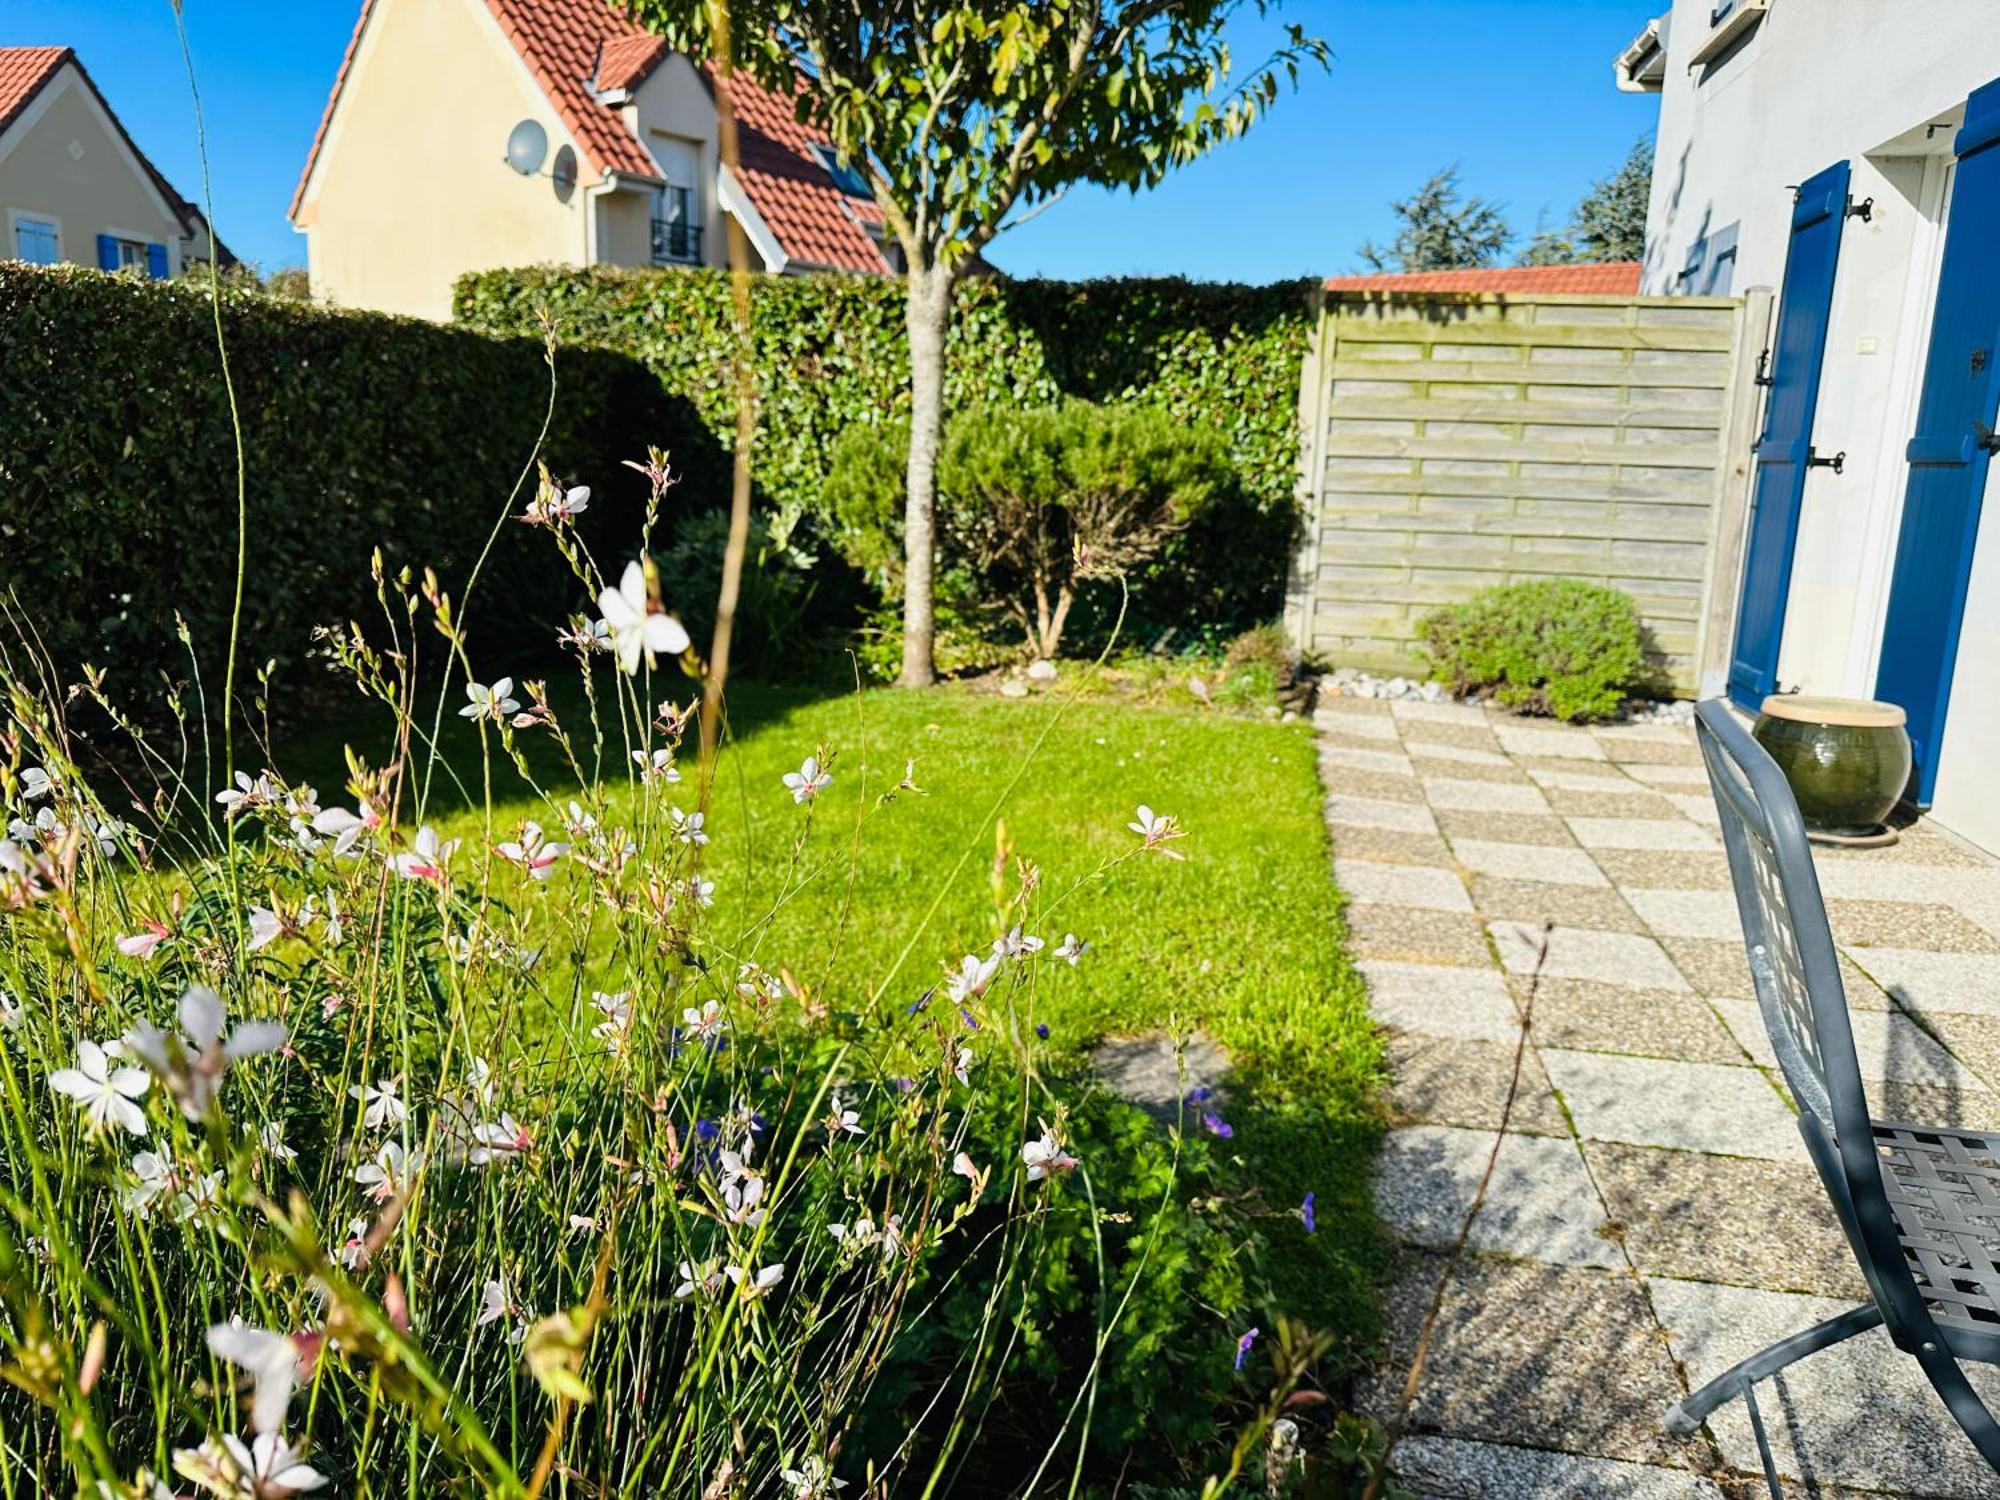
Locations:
1804 1003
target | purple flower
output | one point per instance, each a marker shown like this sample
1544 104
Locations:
706 1130
1306 1214
1200 1095
1243 1347
1042 1030
903 1085
916 1006
966 1016
1216 1126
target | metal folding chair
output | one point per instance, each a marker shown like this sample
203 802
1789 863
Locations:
1920 1204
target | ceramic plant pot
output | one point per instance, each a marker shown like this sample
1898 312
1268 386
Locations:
1847 759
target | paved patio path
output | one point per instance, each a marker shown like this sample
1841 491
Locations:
1652 1218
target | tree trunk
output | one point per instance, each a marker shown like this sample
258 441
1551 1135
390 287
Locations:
927 313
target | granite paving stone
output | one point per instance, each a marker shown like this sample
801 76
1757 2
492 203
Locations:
1540 1202
1466 736
1582 1015
1641 833
1460 755
1555 1357
1447 1468
1928 1104
1550 864
1414 935
1356 725
1629 802
1699 806
1388 845
1382 762
1701 1217
1716 967
1887 1045
1505 828
1680 774
1401 885
1973 1040
1374 786
1927 981
1652 753
1581 953
1553 744
1484 796
1646 1101
1416 710
1685 870
1569 776
1860 1413
1689 914
1376 812
1448 1081
1442 1000
1537 901
1932 925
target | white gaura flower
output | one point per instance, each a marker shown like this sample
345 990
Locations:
963 1065
657 765
1046 1157
391 1171
247 793
966 1167
265 927
705 1278
970 979
427 858
756 983
706 1023
479 1078
267 1468
635 631
499 1141
345 828
35 783
812 1480
385 1107
751 1287
616 1027
1016 944
356 1247
495 702
532 851
200 1199
585 636
272 1361
1073 948
854 1237
107 832
191 1062
553 503
688 826
272 1141
840 1120
1156 829
141 945
808 781
700 890
105 1094
153 1177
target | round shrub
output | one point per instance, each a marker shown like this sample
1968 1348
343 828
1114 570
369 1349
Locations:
1557 646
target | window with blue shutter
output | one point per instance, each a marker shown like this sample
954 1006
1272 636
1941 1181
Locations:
107 252
156 262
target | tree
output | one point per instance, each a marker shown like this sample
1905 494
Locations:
1441 231
1610 221
958 114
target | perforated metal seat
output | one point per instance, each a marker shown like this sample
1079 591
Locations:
1944 1190
1920 1204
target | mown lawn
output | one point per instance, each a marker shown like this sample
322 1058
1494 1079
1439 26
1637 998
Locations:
1241 938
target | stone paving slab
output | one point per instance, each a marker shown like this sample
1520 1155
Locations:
1647 1101
1653 1215
1860 1413
1540 1203
1443 1468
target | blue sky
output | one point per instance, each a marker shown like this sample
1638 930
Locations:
1518 92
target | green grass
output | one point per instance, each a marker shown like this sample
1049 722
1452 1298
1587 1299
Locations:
1242 938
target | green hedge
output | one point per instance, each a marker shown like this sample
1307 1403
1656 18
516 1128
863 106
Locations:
831 352
117 470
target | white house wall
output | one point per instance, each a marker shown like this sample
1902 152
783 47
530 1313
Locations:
1882 86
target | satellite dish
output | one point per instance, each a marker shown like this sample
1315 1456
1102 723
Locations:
527 145
564 174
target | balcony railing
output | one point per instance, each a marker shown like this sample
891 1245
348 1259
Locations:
676 242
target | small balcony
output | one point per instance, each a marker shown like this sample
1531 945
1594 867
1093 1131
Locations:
676 242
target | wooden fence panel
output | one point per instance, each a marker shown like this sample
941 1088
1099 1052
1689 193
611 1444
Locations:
1452 442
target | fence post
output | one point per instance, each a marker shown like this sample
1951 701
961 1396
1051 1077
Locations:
1730 511
1315 374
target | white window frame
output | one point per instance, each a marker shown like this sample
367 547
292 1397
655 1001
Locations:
144 242
18 216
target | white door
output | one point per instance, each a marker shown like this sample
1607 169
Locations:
1967 799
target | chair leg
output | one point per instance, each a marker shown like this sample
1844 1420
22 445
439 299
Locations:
1691 1413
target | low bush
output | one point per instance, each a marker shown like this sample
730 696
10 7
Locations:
1558 646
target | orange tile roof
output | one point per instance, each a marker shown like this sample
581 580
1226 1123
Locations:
23 71
572 45
1612 278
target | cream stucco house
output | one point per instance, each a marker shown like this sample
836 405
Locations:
409 182
74 186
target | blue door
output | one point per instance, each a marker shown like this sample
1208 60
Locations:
1818 211
1950 451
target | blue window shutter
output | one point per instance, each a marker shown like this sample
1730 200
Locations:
156 262
107 253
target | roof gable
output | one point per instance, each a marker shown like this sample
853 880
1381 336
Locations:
23 72
580 51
